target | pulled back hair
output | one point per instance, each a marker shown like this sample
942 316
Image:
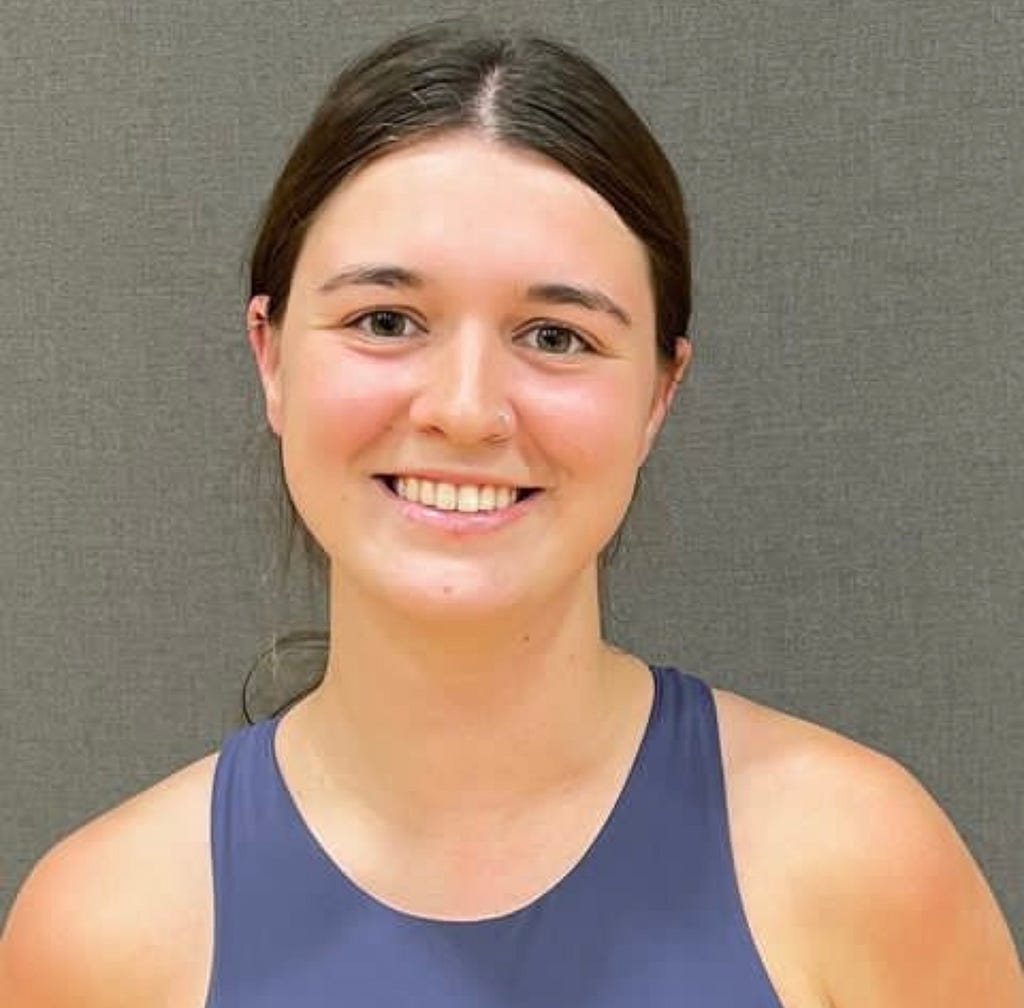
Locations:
521 90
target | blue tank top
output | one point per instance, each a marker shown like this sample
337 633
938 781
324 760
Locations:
650 917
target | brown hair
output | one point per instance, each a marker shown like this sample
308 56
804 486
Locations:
522 90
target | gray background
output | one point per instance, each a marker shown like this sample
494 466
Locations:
831 523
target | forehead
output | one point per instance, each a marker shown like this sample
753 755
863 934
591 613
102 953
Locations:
479 210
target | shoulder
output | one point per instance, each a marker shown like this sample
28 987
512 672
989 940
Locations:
896 907
115 913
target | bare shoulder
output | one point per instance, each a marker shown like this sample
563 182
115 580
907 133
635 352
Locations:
119 911
892 905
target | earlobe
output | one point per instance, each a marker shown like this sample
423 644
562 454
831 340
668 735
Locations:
265 343
684 353
669 381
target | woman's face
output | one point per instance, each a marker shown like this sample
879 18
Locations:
430 335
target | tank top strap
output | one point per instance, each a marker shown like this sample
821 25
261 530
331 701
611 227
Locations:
674 830
688 784
267 891
684 764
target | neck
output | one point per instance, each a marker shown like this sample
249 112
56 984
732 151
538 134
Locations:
447 724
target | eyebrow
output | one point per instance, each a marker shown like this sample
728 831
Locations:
381 276
549 293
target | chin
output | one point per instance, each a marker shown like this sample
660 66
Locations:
450 600
445 591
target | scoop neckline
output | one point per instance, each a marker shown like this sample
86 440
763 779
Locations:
600 841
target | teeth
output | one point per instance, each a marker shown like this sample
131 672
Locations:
445 497
448 497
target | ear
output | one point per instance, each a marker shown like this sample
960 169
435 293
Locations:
669 380
266 347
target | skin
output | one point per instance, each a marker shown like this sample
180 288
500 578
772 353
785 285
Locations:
413 610
489 781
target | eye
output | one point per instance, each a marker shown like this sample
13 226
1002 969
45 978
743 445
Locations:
384 324
557 341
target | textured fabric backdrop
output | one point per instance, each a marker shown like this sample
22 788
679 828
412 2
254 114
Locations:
831 523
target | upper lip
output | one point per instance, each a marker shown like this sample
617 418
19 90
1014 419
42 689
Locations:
458 478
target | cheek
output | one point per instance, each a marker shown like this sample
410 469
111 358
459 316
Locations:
593 427
334 406
592 432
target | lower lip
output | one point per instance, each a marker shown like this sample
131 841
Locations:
459 522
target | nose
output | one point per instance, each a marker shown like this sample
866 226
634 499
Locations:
463 392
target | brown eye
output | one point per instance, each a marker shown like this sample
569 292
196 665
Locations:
557 340
383 324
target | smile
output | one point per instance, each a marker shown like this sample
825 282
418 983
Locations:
466 497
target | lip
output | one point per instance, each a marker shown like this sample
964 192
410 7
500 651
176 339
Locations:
458 523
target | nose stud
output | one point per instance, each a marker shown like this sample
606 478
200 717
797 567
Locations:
505 423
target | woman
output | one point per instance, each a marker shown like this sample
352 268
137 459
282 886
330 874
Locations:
469 311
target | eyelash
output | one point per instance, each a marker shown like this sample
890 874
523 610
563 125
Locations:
584 345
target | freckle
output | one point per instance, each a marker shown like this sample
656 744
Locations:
446 589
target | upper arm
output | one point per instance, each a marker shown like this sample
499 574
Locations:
63 943
910 920
119 912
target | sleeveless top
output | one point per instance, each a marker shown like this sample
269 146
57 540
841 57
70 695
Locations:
650 915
